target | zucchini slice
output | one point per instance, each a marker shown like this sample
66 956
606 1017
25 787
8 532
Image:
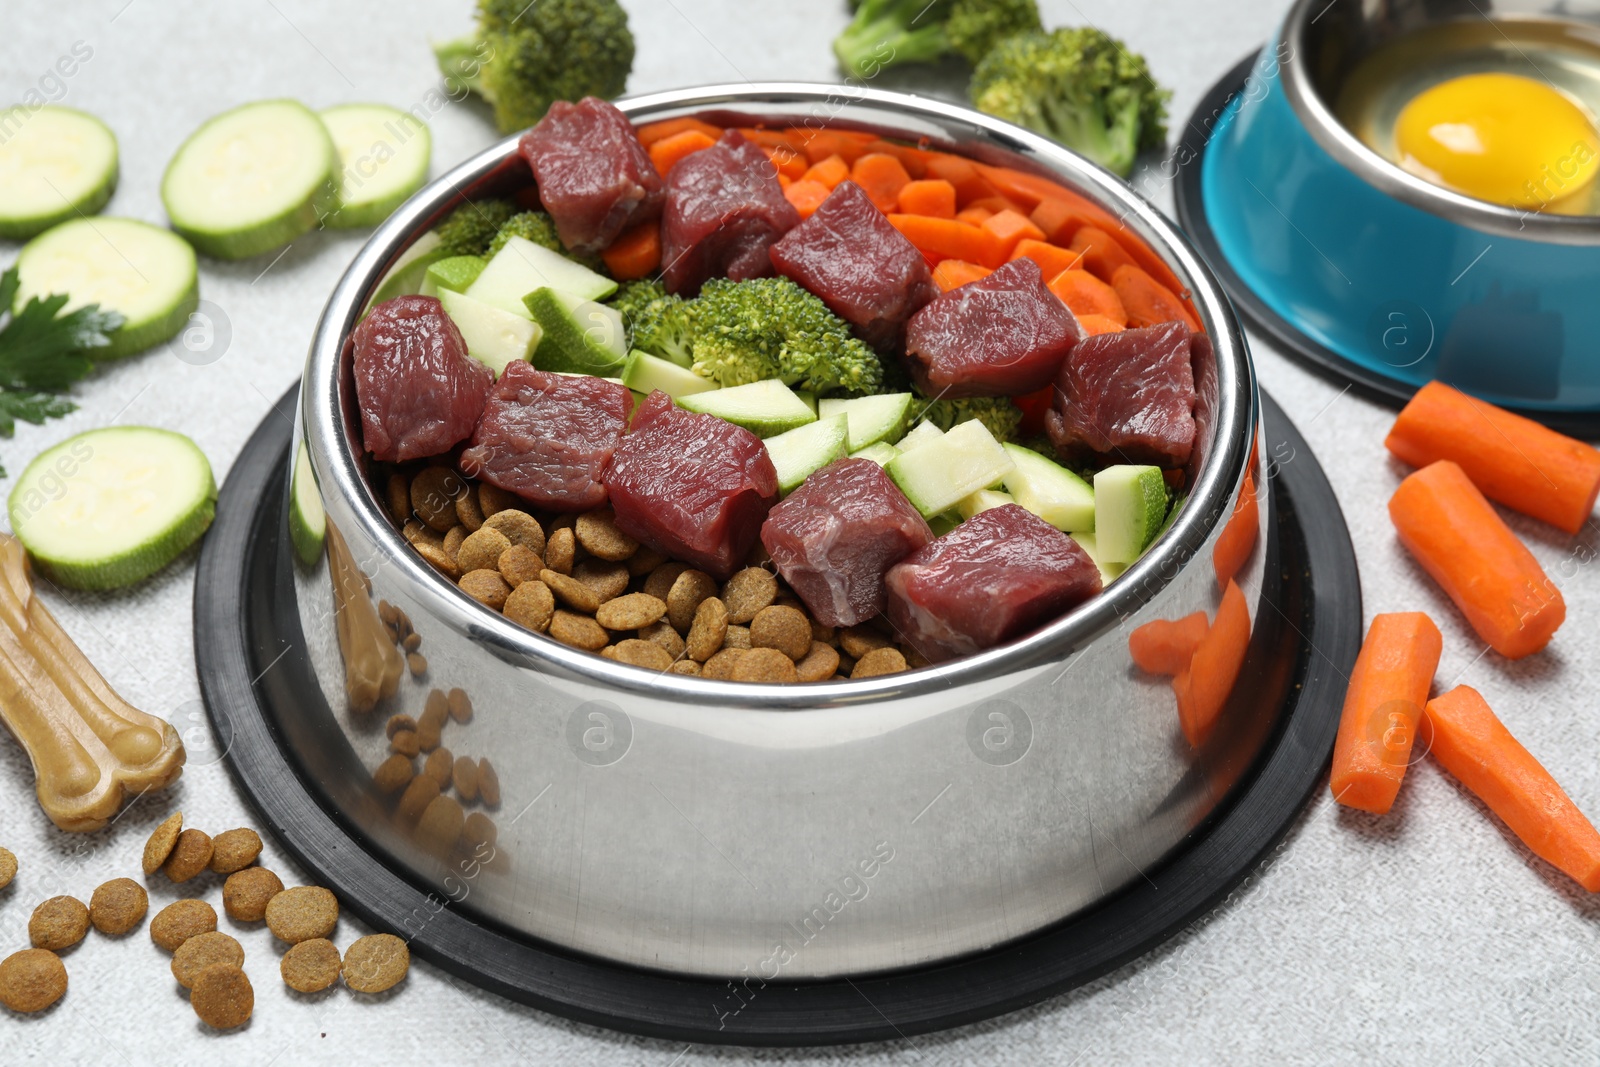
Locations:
56 164
384 155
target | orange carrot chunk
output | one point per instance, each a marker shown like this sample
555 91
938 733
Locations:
1087 295
1012 227
1448 526
975 216
772 138
1238 535
1149 303
790 163
829 172
652 132
1512 460
1166 646
807 195
950 239
961 173
820 144
1058 220
933 197
636 253
881 177
1102 254
1202 688
1463 734
1382 707
667 151
1098 324
954 273
1052 260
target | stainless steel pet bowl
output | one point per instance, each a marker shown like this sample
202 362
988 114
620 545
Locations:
727 829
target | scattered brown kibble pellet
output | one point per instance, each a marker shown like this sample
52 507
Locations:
488 783
118 906
561 551
579 631
415 800
820 664
708 630
393 774
222 997
311 966
411 642
464 776
182 919
438 558
481 550
58 923
32 980
440 766
453 542
302 913
684 666
430 726
459 705
764 665
720 666
416 532
571 592
433 496
480 829
405 743
609 652
646 654
161 843
686 595
518 564
634 611
879 661
234 850
469 512
375 963
748 592
662 633
786 629
737 637
644 561
564 521
202 951
190 856
440 825
606 580
826 634
397 723
531 605
492 499
8 867
397 494
661 579
245 895
597 532
857 641
519 527
417 664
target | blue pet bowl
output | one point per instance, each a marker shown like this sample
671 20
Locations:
1357 265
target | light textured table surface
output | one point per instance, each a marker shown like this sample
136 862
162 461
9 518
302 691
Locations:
1429 935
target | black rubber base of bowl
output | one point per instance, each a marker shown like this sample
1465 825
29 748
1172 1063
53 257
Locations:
1192 217
247 643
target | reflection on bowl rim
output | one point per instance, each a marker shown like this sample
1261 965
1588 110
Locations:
336 453
1387 177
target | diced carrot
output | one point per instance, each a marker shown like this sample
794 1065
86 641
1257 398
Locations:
950 239
1459 539
652 132
1087 295
666 152
954 273
1239 533
881 177
1512 460
636 253
1203 686
1097 324
807 195
975 216
790 163
933 197
766 138
963 174
820 144
1051 259
1382 706
1147 301
1166 646
784 181
997 204
1102 253
915 160
1470 742
829 172
1058 220
1012 227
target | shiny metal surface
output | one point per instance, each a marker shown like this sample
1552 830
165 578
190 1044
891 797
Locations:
1323 41
755 831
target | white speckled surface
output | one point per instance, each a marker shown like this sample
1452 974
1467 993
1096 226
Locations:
1428 935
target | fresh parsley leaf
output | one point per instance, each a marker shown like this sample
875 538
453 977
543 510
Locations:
31 407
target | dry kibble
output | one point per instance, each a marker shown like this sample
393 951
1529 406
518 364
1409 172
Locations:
469 512
375 963
481 550
887 660
438 558
597 532
394 773
488 783
433 496
416 532
518 564
32 980
183 919
631 612
609 652
764 665
786 599
737 637
412 642
222 997
405 743
646 654
118 906
571 592
820 664
708 630
440 825
644 561
519 527
302 913
58 923
607 580
459 705
487 587
563 522
561 550
531 605
464 775
234 850
786 629
245 895
8 867
202 951
662 633
492 499
161 843
415 800
397 494
311 966
190 856
453 542
397 723
846 664
684 666
661 579
579 631
686 596
480 829
417 664
857 641
720 666
748 592
440 766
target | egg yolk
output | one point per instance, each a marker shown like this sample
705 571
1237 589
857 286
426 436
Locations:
1499 137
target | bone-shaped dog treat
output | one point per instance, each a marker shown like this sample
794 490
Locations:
91 749
372 664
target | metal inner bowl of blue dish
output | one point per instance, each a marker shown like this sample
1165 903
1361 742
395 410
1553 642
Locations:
1403 277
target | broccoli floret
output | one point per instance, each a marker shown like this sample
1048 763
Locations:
540 228
471 228
886 33
658 322
525 56
1080 87
1002 417
764 328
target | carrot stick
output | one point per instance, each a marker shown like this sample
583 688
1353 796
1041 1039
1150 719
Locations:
1382 706
771 138
1011 227
1447 525
1148 302
1097 324
829 172
1203 686
1058 220
961 173
998 204
790 163
667 151
974 216
807 195
881 177
1052 259
1464 735
1238 535
636 253
950 239
933 197
1166 646
1087 295
820 144
652 132
1512 460
954 273
1102 254
915 160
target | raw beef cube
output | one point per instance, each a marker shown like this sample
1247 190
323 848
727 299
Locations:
1128 397
595 178
419 392
725 210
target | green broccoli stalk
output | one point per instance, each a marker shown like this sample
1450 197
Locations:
525 56
540 228
886 33
1002 417
470 229
1080 87
765 328
658 322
